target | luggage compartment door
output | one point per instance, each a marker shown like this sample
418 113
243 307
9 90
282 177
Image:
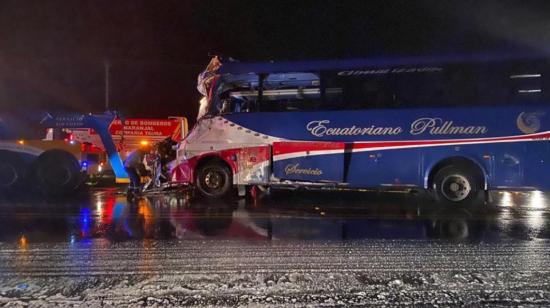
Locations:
253 165
309 161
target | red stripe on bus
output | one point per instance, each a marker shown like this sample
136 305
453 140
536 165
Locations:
299 146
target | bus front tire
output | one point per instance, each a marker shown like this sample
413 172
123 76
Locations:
457 186
214 180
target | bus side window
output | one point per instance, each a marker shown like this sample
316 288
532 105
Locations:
389 90
333 98
416 90
359 93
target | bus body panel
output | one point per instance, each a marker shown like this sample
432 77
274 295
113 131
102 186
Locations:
388 168
254 165
378 125
249 165
537 171
509 161
507 148
298 161
317 168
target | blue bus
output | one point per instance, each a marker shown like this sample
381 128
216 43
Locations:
456 126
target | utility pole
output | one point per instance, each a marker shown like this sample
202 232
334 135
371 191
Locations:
107 67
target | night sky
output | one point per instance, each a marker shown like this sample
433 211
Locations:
52 53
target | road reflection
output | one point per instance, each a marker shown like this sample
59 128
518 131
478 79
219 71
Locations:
109 216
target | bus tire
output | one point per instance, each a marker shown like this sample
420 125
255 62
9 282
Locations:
12 172
457 185
214 180
57 172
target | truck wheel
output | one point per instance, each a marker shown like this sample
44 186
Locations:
11 173
57 172
213 180
456 185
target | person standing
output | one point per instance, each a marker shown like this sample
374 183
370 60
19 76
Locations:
133 166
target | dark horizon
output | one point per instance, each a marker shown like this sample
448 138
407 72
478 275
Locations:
52 55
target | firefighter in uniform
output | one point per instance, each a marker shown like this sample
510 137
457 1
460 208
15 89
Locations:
134 166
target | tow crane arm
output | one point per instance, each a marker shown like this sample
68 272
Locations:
100 123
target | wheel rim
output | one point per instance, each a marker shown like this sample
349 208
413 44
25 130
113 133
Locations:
456 187
213 180
8 175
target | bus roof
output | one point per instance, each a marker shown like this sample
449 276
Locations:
338 64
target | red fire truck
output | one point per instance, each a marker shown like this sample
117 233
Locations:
127 137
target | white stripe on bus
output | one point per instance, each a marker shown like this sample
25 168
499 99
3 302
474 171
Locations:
383 148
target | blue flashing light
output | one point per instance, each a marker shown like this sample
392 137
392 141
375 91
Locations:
85 221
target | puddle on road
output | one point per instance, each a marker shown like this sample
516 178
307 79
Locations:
107 214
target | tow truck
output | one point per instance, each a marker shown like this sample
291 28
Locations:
54 167
59 167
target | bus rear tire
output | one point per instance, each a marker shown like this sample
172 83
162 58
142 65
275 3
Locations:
457 186
214 180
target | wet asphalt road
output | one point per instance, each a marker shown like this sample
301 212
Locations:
312 248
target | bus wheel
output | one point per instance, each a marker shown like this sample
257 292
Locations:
456 185
57 172
213 180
